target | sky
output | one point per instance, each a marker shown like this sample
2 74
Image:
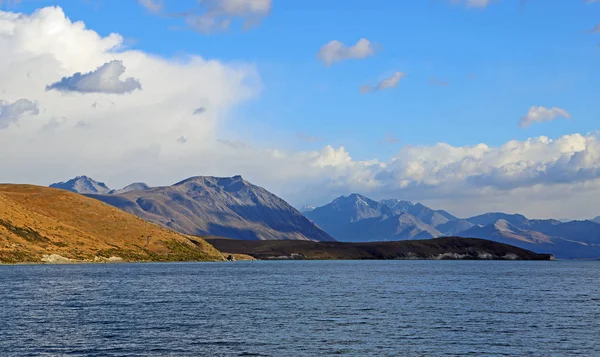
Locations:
465 105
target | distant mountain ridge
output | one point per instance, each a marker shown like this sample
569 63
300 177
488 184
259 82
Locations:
86 185
357 218
214 206
424 213
234 208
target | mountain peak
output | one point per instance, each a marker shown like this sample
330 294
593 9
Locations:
492 217
136 186
351 197
398 205
82 184
219 206
358 202
211 180
306 208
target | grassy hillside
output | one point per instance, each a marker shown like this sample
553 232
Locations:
440 248
36 222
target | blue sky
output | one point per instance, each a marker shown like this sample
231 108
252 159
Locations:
498 61
495 61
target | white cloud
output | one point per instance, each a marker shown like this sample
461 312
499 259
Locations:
122 137
336 51
542 114
218 15
389 82
105 79
11 113
466 179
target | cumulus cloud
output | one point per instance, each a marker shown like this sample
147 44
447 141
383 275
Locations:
336 51
389 82
134 134
542 114
105 79
11 113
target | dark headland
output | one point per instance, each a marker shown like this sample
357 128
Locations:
449 248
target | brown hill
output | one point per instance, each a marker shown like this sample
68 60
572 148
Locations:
45 224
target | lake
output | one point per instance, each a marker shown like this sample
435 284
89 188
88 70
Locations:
302 308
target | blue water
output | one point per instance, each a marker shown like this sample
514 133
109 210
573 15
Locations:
302 308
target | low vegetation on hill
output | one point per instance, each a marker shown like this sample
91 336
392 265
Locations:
46 224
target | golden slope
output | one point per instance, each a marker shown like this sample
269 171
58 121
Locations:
39 221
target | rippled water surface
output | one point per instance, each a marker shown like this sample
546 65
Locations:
431 308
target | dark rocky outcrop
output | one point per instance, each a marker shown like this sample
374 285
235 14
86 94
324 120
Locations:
439 249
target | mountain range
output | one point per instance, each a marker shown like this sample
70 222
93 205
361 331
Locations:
356 218
234 208
207 206
86 185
